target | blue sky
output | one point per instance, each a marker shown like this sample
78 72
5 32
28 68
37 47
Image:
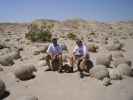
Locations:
100 10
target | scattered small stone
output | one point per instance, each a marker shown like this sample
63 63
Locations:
106 81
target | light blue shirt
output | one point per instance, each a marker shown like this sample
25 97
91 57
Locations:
80 51
54 50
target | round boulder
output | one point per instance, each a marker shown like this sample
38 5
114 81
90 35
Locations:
1 69
25 72
2 45
14 55
121 60
116 55
103 59
124 69
6 60
99 72
115 74
114 45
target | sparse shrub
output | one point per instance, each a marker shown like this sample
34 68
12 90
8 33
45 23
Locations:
92 47
40 32
92 33
39 36
71 36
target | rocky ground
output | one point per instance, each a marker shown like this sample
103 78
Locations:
110 79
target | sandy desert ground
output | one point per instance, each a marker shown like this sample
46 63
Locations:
66 86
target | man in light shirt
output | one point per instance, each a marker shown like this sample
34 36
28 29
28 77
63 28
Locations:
54 55
79 53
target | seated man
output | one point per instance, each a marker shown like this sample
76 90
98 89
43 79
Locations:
79 53
54 55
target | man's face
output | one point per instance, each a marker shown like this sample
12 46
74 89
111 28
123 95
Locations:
79 44
54 41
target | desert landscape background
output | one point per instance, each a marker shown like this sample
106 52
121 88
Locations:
17 53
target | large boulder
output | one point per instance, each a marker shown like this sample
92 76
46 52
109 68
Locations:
114 45
121 60
2 88
2 45
4 51
124 69
1 69
117 55
115 74
6 60
25 72
99 72
14 55
103 59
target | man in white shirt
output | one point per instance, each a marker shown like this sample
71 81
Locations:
80 51
54 55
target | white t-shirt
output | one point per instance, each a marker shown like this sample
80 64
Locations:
54 50
80 51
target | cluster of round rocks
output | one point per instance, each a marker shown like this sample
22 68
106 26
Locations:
111 65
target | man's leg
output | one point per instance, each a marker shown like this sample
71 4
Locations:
72 61
80 68
78 61
60 63
48 61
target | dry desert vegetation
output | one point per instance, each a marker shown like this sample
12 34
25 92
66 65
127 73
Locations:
22 60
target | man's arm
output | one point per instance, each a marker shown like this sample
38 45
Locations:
49 50
84 50
74 50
